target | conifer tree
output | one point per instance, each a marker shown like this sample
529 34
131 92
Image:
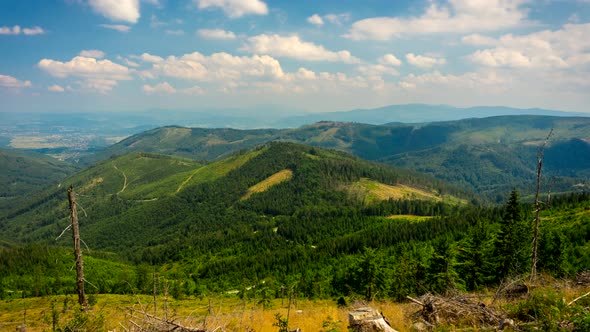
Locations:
475 256
442 273
512 241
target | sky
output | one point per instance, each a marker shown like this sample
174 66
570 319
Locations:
306 55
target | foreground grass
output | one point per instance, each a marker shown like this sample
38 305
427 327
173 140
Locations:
547 307
118 312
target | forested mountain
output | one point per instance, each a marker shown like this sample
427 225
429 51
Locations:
282 214
162 193
489 155
26 172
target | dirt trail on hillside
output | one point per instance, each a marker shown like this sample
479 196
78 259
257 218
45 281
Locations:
124 177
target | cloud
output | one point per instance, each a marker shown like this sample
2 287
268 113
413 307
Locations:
568 47
117 10
146 57
195 90
315 19
422 61
216 34
249 75
17 30
117 27
235 8
92 54
166 88
376 71
56 88
13 83
456 16
216 67
337 19
97 75
33 31
477 39
162 88
390 59
294 47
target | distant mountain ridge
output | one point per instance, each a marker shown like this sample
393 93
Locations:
417 113
489 155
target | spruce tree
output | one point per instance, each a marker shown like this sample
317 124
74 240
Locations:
512 241
475 256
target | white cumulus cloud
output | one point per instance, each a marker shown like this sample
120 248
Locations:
13 83
117 10
294 47
422 61
216 67
216 34
162 88
568 47
315 19
116 27
390 60
17 30
97 75
33 31
56 88
235 8
452 16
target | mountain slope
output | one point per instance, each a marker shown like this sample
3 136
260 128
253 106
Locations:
489 155
24 172
157 206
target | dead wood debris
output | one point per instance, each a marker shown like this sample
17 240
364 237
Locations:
145 322
583 278
455 310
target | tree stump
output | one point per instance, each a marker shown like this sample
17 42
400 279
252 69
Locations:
367 319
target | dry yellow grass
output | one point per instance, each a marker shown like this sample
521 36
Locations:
91 184
229 313
372 190
264 185
409 217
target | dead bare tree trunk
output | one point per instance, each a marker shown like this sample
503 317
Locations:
537 220
77 252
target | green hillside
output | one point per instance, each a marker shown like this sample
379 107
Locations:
490 155
136 185
320 223
23 173
194 143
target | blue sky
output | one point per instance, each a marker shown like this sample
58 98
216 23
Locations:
312 55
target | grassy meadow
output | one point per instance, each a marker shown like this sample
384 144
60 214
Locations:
549 304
